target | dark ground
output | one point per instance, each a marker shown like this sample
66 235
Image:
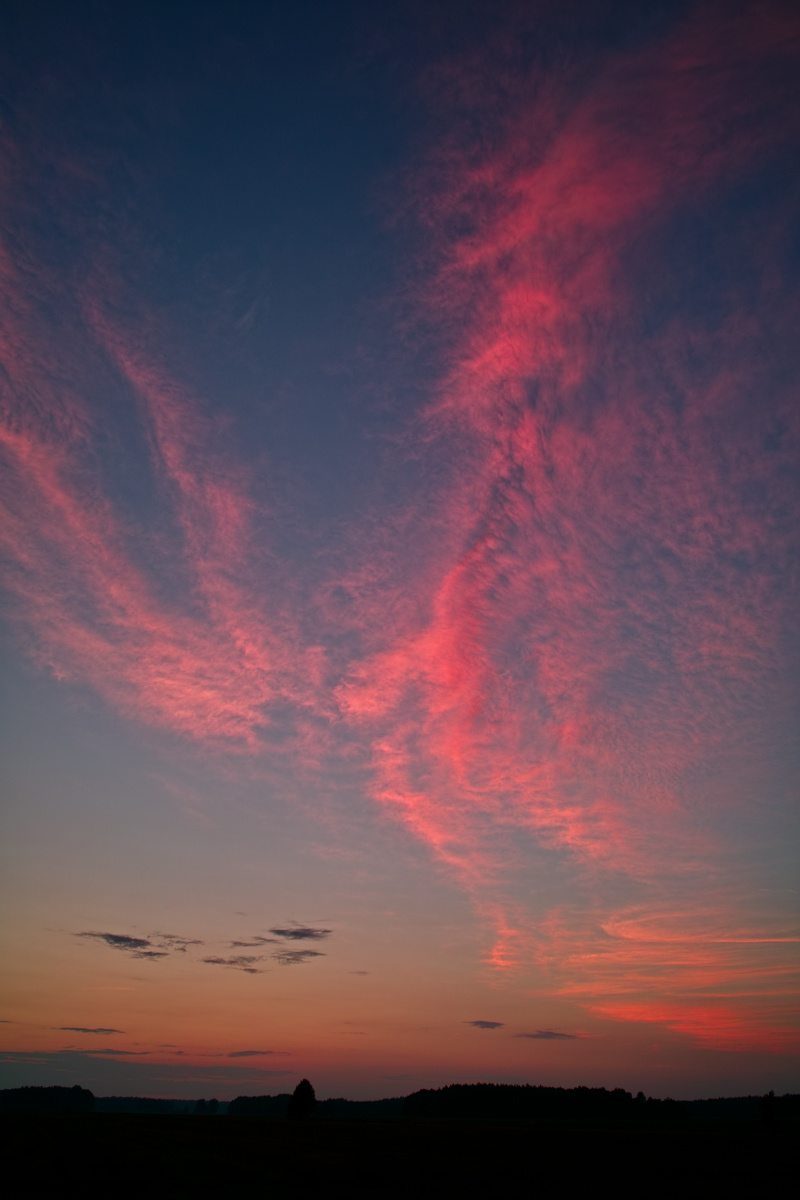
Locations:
118 1154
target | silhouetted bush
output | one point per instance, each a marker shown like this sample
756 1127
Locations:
47 1100
302 1101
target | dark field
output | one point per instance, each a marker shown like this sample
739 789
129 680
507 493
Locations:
119 1154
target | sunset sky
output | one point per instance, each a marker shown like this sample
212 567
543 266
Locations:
400 522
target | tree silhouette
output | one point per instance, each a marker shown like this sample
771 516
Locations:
302 1101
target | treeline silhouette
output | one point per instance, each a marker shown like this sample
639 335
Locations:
456 1102
481 1101
147 1104
502 1101
490 1101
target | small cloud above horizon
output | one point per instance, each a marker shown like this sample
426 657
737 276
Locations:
135 946
485 1024
112 1050
249 1053
174 941
238 962
156 945
292 958
548 1035
84 1029
257 941
302 933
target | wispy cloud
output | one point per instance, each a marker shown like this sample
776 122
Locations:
135 946
174 942
724 1022
548 1035
158 946
293 958
256 941
155 945
115 1052
212 666
83 1029
239 962
594 644
302 933
249 1053
485 1024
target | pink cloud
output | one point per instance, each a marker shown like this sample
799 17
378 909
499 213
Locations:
606 621
198 645
714 1026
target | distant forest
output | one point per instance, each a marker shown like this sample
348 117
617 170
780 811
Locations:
475 1101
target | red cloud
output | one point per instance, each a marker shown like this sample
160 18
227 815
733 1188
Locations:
605 624
196 644
715 1026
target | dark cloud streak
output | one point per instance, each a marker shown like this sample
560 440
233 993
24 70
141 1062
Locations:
83 1029
548 1035
302 933
238 962
257 941
136 947
292 958
156 945
249 1053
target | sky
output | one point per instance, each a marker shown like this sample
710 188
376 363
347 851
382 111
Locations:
399 508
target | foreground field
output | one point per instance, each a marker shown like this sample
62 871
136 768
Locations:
177 1156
